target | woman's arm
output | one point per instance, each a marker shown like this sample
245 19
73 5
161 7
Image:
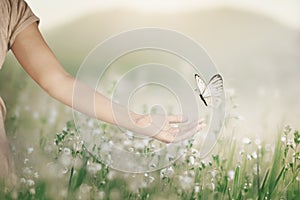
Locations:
40 63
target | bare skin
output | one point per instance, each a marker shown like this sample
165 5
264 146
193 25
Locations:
40 63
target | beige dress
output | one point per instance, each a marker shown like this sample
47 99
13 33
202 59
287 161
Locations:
15 16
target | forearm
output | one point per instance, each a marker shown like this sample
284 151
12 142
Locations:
90 102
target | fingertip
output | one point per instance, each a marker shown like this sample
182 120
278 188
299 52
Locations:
201 126
201 120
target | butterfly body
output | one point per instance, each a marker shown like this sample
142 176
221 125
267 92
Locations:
202 98
211 92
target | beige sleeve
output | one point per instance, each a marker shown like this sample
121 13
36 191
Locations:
21 17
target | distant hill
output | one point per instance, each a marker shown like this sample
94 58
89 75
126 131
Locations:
227 34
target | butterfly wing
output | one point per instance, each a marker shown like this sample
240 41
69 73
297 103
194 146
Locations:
201 87
214 90
214 86
200 84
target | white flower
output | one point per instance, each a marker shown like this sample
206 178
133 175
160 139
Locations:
249 157
139 145
32 191
196 188
127 142
151 179
167 172
111 143
66 160
231 174
131 149
254 155
290 142
185 182
242 152
23 180
153 165
93 168
84 188
212 186
194 151
67 151
30 182
213 173
30 150
26 161
246 140
27 171
148 179
192 160
36 175
203 163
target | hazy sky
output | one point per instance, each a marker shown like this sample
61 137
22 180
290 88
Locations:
55 12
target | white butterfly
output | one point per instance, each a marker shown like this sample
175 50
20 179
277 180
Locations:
210 93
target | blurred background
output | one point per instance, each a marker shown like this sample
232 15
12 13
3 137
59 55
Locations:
255 45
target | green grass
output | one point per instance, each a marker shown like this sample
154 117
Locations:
243 171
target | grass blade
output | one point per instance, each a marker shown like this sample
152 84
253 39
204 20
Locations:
279 176
71 177
80 178
275 165
262 187
236 182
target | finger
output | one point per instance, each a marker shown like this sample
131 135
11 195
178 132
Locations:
173 131
201 120
188 132
182 129
177 118
201 126
174 134
190 126
167 136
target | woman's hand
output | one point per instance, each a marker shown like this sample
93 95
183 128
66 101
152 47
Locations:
168 129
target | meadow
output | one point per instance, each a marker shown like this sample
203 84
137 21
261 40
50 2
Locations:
248 169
